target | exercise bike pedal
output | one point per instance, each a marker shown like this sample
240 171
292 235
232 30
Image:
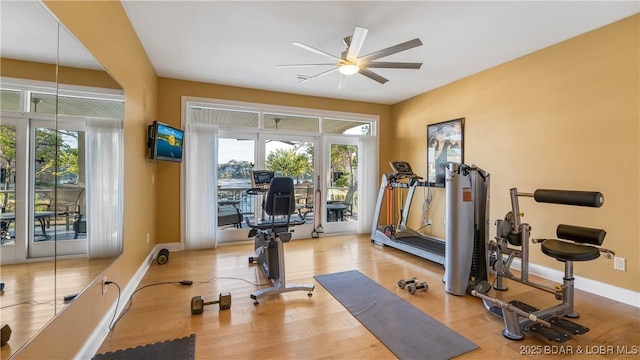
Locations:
574 328
548 333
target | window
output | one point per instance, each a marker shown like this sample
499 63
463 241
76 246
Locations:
76 105
10 100
304 144
219 117
291 122
347 127
49 155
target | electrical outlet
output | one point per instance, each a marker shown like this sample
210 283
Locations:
619 263
104 285
148 238
429 222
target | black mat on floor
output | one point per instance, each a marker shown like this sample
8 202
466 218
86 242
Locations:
406 330
177 349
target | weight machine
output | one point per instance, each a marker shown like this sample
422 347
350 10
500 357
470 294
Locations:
512 240
272 230
467 189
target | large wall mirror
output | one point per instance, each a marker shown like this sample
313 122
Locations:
61 163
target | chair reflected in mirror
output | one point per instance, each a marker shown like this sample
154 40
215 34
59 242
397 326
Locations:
67 204
64 203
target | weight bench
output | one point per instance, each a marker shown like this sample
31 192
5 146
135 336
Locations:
271 232
574 243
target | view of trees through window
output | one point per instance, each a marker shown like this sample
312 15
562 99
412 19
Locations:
7 167
55 162
294 161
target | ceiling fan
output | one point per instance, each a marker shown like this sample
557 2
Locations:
350 62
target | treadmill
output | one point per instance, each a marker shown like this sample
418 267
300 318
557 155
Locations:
400 236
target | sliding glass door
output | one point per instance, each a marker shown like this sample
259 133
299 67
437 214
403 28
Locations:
12 189
235 160
294 157
40 219
57 209
238 155
342 177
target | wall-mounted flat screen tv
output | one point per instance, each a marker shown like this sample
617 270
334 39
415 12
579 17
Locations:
165 142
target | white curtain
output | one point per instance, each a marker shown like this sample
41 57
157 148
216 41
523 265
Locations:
199 178
368 185
104 190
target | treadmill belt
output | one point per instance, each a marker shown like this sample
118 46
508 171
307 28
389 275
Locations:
434 246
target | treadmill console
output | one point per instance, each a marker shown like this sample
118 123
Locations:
402 168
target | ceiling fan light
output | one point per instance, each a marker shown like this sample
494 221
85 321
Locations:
349 69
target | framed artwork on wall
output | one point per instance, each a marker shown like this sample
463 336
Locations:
445 143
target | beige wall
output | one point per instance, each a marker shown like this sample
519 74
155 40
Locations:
565 117
170 92
104 29
47 72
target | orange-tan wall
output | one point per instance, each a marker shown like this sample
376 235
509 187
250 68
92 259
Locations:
565 117
105 31
170 92
47 72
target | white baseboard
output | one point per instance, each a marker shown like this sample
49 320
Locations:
619 294
101 331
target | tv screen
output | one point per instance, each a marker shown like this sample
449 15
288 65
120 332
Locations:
165 142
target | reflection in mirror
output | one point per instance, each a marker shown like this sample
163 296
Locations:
60 129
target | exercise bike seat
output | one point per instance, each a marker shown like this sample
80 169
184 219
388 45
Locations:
565 251
276 223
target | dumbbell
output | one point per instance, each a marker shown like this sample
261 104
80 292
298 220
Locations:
413 288
403 283
198 303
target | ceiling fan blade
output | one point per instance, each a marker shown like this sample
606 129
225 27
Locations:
343 81
312 49
391 50
306 65
373 76
392 65
309 78
356 44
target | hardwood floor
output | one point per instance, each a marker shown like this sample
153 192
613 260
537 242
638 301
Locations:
294 326
35 292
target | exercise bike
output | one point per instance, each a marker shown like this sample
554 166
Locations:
272 230
512 240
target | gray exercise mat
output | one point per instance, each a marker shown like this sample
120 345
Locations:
183 349
406 330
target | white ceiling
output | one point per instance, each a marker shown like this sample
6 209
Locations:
239 43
